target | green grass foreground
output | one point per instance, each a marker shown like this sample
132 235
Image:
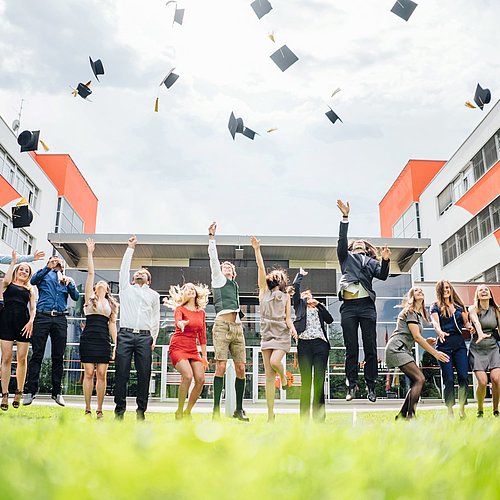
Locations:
54 453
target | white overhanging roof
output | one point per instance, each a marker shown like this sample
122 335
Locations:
159 249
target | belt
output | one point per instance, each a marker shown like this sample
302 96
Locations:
134 330
53 313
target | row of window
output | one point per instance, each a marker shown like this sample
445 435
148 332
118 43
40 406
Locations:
491 275
19 239
67 220
478 166
408 225
482 225
18 179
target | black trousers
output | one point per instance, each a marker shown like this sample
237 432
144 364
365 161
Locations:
57 328
312 354
354 314
138 345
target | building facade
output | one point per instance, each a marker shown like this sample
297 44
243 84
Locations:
454 203
58 195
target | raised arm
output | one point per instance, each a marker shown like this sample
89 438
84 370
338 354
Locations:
382 268
342 243
296 287
7 279
89 284
260 263
215 269
124 275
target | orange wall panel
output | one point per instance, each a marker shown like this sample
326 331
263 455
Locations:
483 192
71 184
497 236
7 192
406 189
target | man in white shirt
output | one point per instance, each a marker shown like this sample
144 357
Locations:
139 326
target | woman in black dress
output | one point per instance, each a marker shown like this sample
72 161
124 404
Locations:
16 325
101 311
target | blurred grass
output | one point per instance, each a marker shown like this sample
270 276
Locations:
54 453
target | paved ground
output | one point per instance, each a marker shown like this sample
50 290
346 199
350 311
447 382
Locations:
339 406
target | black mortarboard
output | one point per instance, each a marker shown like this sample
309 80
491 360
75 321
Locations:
170 79
97 67
232 125
284 58
236 126
482 96
261 7
28 140
332 116
82 90
248 133
22 216
404 8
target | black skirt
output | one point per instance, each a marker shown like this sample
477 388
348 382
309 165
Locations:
95 341
15 314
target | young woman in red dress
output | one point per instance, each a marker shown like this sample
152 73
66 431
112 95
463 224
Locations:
188 302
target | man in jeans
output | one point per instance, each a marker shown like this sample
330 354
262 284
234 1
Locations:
51 311
227 331
139 326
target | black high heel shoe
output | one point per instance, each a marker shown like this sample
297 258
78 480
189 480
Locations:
4 405
17 399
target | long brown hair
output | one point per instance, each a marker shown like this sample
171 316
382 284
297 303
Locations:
112 302
408 304
491 303
454 298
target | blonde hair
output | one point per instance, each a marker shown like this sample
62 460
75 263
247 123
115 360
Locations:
177 295
408 304
491 302
112 302
27 285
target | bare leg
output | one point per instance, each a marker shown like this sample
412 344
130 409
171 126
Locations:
482 381
184 368
495 386
277 365
199 381
6 346
101 371
270 387
88 383
22 364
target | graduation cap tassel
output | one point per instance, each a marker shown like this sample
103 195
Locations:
156 105
44 146
470 105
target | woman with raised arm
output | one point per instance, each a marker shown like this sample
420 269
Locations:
313 348
276 326
484 354
398 352
101 311
188 302
16 325
449 317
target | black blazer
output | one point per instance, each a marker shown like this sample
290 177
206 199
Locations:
353 269
300 307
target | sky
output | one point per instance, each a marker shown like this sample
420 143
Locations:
403 88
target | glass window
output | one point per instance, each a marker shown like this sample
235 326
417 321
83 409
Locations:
449 249
478 165
398 228
445 199
490 153
458 188
472 230
484 222
495 213
468 177
462 240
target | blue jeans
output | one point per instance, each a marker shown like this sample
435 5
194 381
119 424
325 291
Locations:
454 346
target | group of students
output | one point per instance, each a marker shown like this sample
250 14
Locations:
23 320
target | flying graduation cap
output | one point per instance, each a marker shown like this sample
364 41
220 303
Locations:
284 58
97 67
332 116
22 216
482 97
404 8
168 81
236 126
28 140
179 13
261 8
83 90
